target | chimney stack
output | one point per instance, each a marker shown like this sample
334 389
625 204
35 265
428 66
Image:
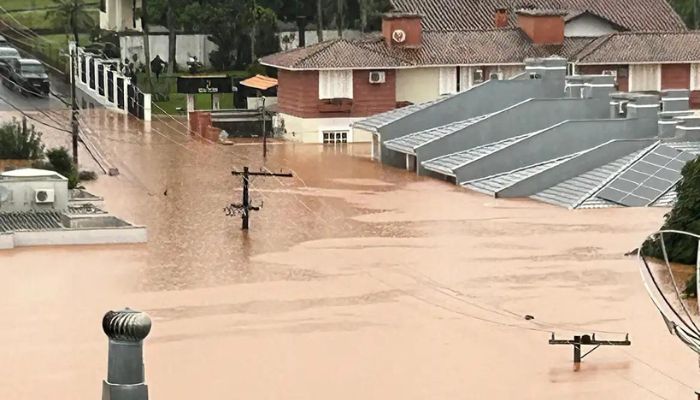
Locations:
402 29
301 26
542 26
126 330
501 18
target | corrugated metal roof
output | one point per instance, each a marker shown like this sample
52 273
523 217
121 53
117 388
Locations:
30 221
377 121
579 192
447 164
408 143
495 183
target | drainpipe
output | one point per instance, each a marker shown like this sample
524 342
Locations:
126 330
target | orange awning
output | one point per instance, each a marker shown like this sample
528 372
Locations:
261 82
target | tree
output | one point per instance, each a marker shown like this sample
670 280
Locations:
689 10
20 142
684 216
319 20
60 161
71 15
146 44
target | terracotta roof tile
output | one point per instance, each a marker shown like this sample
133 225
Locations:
629 47
635 15
496 46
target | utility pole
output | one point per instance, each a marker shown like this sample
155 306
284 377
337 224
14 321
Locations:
74 103
264 132
244 208
587 340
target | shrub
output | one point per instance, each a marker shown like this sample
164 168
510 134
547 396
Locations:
61 162
87 176
19 141
685 216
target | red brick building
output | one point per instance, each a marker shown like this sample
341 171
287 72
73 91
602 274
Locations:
431 48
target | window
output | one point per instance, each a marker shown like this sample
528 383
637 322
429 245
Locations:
335 136
694 76
448 80
477 76
335 84
645 77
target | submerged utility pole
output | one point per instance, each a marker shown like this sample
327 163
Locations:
244 208
588 340
264 132
126 330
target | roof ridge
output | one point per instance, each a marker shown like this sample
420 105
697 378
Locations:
591 47
387 54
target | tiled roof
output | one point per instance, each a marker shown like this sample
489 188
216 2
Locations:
408 143
451 15
636 47
449 163
495 46
494 184
29 221
380 120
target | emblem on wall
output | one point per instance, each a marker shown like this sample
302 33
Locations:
398 35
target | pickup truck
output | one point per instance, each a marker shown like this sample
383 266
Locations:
28 76
7 54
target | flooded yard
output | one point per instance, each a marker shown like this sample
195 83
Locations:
355 281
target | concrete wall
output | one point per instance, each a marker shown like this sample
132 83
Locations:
187 45
528 116
81 237
119 16
592 159
587 26
558 141
417 85
292 41
309 130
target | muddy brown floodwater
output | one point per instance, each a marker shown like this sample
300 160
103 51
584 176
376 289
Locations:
356 281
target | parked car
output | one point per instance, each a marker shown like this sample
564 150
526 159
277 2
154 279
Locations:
28 76
7 54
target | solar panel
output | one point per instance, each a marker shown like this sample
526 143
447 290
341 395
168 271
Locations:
648 179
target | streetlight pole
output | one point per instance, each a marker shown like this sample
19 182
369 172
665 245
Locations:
74 103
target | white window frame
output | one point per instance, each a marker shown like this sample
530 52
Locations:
335 136
335 84
635 69
447 80
695 76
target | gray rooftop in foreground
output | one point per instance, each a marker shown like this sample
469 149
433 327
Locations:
409 143
380 120
493 184
581 191
30 221
447 164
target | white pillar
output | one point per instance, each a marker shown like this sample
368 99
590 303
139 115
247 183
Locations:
115 89
88 71
105 82
146 106
125 93
216 101
95 65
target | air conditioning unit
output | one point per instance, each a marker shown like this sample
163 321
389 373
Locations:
496 76
44 196
377 77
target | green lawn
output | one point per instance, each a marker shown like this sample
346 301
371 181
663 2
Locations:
36 19
11 5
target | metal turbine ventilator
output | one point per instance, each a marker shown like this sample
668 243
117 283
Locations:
666 284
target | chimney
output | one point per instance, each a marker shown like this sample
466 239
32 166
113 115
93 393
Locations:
402 29
501 18
542 26
301 26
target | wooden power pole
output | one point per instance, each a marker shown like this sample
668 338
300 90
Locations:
244 208
587 340
74 104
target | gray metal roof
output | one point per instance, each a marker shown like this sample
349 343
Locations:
448 164
579 192
409 143
30 221
373 123
493 184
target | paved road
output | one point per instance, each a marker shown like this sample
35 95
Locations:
8 98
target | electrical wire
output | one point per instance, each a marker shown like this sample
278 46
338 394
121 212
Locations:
21 24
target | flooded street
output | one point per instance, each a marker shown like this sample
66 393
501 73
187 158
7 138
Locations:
355 281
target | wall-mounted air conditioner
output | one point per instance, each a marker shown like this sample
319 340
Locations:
377 77
44 196
496 76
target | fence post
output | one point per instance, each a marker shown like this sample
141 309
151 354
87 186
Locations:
126 330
